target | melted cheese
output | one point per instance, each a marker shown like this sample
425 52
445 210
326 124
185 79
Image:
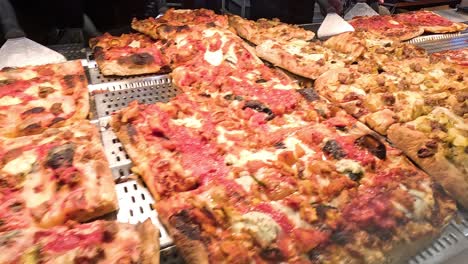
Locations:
135 44
231 55
293 216
191 122
22 164
214 58
347 165
261 226
9 100
246 155
246 182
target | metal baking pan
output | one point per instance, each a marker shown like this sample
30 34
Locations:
441 42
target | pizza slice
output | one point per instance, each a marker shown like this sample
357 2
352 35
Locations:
37 97
307 59
96 242
379 100
370 48
386 26
59 175
178 19
262 30
429 22
129 54
210 46
438 142
223 224
351 188
456 57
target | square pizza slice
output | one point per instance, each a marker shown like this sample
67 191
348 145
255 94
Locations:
59 175
129 54
35 98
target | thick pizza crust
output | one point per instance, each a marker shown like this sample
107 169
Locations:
139 158
443 29
279 57
112 67
149 236
410 34
193 251
438 166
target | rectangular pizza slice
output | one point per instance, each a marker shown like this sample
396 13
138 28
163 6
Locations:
319 194
35 98
180 20
59 175
386 26
129 54
96 242
369 48
262 30
429 22
304 58
438 142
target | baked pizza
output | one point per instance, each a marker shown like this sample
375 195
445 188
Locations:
319 179
373 52
429 22
457 57
59 175
261 30
129 54
96 242
386 26
180 19
438 142
304 58
34 98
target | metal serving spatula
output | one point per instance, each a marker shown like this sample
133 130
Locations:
17 52
360 9
333 24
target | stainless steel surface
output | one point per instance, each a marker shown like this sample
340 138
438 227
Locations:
452 242
151 91
136 205
438 43
74 51
95 76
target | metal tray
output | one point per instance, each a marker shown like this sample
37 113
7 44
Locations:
135 201
441 42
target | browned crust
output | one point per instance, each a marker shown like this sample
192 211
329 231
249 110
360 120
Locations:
242 27
82 103
113 67
149 236
348 42
438 166
141 163
407 36
442 29
146 27
283 59
193 251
